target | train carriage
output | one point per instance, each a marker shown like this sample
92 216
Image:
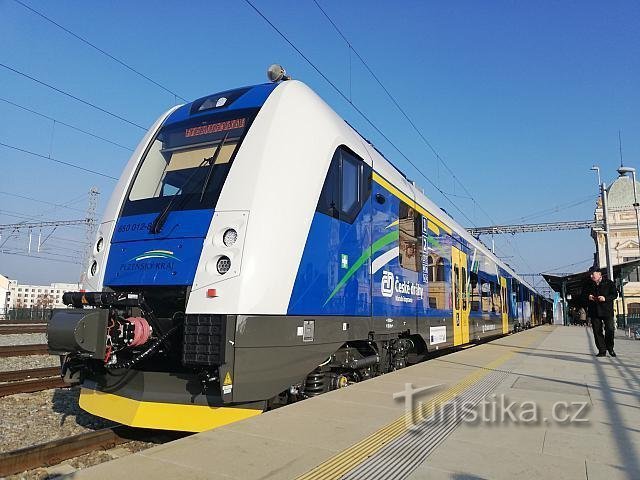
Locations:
257 250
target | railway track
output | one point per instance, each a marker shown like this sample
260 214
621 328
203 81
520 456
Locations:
56 451
24 350
29 381
23 328
24 321
18 375
30 386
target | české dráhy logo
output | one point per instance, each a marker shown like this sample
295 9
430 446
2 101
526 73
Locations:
386 285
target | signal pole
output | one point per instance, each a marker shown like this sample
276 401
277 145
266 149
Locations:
90 231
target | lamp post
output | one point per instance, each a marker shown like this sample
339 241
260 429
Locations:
623 171
605 220
605 217
597 170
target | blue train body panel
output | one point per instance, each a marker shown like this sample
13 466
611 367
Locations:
333 250
138 257
395 290
253 97
355 269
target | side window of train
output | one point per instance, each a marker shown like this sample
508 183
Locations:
475 291
410 225
497 298
464 284
487 303
346 187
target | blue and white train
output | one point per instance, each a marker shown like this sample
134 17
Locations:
258 250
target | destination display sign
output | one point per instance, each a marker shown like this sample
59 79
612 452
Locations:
215 128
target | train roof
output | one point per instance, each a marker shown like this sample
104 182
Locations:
255 96
236 99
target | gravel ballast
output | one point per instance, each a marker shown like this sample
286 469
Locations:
32 418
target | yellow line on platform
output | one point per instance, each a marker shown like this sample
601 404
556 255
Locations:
350 458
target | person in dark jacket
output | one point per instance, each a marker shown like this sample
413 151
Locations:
599 294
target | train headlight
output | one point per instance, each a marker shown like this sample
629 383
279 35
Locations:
223 265
230 236
94 268
99 244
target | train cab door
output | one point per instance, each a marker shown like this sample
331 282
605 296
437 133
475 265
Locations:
505 309
459 291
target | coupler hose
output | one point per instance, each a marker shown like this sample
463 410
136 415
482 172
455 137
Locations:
152 349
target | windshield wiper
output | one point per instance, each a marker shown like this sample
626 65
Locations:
158 223
211 165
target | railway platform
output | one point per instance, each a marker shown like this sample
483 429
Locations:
536 404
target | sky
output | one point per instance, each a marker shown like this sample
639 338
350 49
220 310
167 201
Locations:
518 99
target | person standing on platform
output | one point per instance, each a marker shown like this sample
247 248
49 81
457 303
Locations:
582 316
599 294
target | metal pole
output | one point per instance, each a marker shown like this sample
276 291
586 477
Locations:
624 309
636 205
605 215
596 169
564 303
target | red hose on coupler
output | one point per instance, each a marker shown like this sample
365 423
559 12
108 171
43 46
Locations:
141 331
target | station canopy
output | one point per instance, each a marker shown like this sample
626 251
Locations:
574 282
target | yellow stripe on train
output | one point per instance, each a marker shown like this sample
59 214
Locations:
165 416
393 190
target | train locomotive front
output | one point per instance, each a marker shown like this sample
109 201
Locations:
184 323
257 251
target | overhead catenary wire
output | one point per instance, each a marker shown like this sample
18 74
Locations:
558 208
70 95
357 109
39 217
24 197
101 50
70 240
348 100
73 127
555 269
41 257
364 116
419 132
68 164
402 111
25 218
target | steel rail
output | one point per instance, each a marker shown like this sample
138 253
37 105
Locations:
56 451
16 329
23 350
30 386
17 375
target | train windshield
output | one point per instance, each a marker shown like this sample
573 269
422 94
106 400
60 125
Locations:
187 164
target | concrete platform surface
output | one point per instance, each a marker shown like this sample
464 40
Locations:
537 404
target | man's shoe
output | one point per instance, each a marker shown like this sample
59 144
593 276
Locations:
612 353
601 354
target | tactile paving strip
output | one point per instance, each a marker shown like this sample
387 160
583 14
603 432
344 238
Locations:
400 457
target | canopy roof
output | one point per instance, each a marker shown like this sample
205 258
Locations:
573 283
